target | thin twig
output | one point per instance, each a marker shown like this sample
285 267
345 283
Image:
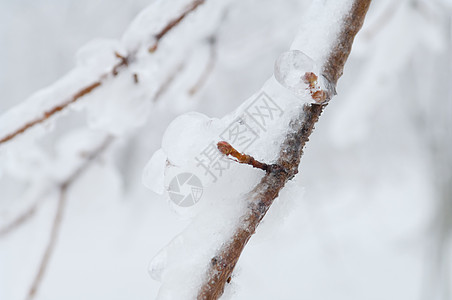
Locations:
167 83
124 61
191 7
135 78
19 220
89 158
56 226
262 196
50 245
212 42
226 149
208 69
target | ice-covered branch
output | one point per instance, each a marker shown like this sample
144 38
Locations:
262 196
25 116
269 130
47 114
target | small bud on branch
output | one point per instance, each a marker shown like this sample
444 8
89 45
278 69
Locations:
227 149
319 95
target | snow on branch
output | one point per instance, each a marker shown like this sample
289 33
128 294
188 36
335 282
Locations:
52 111
30 113
275 124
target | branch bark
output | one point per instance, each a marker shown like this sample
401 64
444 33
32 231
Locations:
263 195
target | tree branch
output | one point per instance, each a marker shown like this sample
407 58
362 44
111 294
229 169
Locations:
56 226
208 68
122 64
174 23
51 244
263 195
46 115
168 82
27 214
19 220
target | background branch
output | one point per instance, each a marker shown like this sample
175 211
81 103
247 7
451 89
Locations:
19 220
56 226
212 40
124 62
50 245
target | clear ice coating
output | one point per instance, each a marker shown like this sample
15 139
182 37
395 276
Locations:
290 67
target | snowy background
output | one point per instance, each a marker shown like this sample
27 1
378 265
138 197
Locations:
368 217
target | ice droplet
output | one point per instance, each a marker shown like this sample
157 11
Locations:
290 67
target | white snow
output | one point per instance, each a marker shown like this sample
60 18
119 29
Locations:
319 28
